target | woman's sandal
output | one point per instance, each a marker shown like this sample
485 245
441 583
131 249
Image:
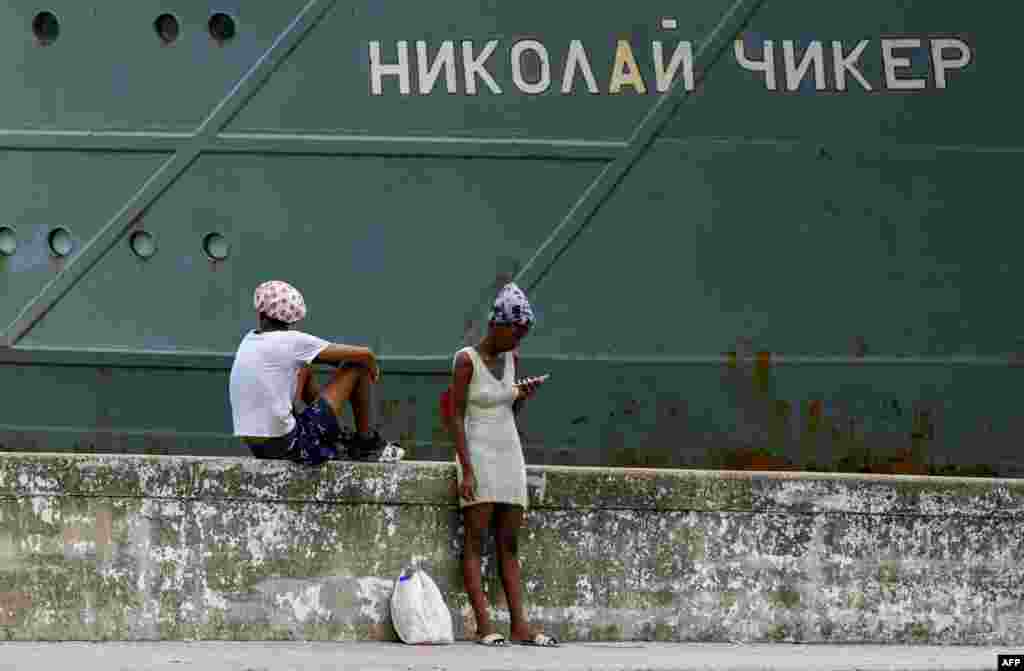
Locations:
541 641
494 640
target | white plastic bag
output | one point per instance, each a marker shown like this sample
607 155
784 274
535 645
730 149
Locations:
418 610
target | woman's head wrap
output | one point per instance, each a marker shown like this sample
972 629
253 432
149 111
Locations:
511 307
281 301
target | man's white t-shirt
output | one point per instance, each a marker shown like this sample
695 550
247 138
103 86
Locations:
264 380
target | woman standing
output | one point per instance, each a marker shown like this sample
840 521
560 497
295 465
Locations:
491 469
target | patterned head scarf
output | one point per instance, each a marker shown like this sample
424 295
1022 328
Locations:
511 307
281 301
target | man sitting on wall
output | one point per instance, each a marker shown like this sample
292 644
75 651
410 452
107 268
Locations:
272 372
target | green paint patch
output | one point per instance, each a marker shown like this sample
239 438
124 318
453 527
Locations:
664 598
918 632
231 479
663 632
229 572
777 632
660 490
612 632
168 569
681 542
888 573
727 600
784 599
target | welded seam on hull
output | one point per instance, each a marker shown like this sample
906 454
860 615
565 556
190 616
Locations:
439 364
324 143
169 171
642 138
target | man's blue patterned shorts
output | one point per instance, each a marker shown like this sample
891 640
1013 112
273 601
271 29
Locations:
312 442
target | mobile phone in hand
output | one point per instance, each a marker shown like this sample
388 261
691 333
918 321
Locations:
533 380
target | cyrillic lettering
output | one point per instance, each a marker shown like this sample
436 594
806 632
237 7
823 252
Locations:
682 55
475 67
380 70
541 85
445 57
844 64
625 71
943 64
577 58
795 74
767 66
892 62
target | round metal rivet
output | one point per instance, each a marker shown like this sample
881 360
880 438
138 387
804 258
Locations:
46 28
167 28
222 27
60 241
143 244
216 246
8 241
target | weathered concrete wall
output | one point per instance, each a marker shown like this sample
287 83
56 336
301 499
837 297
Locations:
135 547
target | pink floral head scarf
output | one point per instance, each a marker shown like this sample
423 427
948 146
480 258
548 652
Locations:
281 301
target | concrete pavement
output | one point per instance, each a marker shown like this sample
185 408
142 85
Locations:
464 656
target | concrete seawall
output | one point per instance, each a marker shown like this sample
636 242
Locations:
180 548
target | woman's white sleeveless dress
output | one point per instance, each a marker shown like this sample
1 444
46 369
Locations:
492 440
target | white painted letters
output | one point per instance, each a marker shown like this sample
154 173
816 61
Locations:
941 63
577 59
541 85
476 67
530 65
682 55
892 62
844 64
379 70
795 74
445 58
767 66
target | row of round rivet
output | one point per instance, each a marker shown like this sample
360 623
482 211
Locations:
142 243
46 28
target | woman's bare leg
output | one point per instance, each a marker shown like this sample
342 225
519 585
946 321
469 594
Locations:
476 520
509 519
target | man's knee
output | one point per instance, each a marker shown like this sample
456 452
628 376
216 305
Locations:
348 375
351 369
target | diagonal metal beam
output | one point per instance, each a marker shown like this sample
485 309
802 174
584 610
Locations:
187 151
608 180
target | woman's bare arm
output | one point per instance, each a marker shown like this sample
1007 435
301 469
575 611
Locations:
517 405
461 377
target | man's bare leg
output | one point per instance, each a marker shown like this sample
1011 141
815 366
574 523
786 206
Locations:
360 402
340 389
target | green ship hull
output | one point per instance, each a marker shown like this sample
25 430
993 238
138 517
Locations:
756 234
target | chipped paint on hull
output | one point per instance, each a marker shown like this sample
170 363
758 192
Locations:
176 548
